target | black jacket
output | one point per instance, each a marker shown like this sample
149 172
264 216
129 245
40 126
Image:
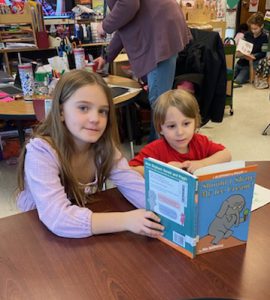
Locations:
205 55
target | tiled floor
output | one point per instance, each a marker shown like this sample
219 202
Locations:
241 133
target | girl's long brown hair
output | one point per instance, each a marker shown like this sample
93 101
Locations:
54 131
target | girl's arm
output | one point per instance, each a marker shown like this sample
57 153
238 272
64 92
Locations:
139 169
129 182
138 221
44 191
218 157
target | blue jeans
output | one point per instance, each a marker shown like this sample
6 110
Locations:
159 81
241 73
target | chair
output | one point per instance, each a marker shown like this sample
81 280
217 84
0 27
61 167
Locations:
204 55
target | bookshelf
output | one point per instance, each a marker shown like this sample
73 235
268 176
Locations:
16 29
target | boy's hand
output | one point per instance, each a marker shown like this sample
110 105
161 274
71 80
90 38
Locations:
250 57
176 164
143 222
192 165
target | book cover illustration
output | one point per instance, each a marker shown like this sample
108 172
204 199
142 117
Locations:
245 48
201 213
225 202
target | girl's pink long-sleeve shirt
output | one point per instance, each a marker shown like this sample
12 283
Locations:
44 191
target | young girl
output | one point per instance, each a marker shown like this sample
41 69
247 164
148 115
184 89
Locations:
71 155
257 37
176 118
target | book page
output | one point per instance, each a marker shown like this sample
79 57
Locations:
244 47
261 197
237 164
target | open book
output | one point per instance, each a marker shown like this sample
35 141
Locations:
204 212
245 48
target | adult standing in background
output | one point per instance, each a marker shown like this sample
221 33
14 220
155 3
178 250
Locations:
152 33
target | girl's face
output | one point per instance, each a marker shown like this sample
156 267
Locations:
256 29
178 129
85 115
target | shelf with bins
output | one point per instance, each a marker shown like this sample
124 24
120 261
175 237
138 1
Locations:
73 22
15 30
21 34
15 26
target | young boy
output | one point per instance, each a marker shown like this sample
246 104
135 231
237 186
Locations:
176 118
257 37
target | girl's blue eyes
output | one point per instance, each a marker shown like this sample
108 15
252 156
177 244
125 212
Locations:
85 108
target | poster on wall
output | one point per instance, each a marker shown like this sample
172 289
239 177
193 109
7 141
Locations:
232 4
221 9
253 5
231 18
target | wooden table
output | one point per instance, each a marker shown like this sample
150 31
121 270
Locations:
36 264
23 110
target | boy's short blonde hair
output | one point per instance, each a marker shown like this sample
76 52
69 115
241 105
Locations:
256 19
182 100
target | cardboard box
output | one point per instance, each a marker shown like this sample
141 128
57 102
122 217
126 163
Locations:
120 61
215 25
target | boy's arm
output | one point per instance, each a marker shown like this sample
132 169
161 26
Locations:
239 54
216 158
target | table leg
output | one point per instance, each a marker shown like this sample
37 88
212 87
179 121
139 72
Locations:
266 129
5 57
129 130
20 132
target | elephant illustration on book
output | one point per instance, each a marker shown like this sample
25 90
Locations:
227 217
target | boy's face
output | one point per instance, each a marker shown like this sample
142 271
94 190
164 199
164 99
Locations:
178 129
256 29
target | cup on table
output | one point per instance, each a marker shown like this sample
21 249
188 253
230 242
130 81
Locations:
42 108
27 80
91 66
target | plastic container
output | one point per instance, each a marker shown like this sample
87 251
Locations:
79 57
27 80
41 84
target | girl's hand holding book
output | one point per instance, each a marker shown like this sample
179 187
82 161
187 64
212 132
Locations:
143 222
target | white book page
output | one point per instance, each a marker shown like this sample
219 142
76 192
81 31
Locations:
237 164
244 47
261 197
